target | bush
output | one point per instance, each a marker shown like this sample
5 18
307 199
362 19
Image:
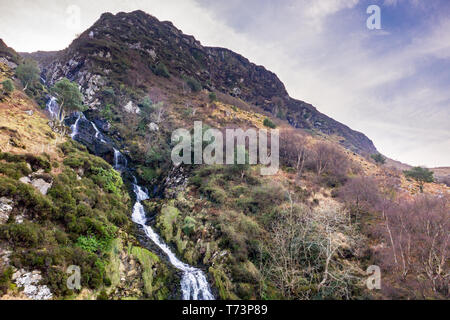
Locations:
92 244
268 123
161 70
35 162
193 84
8 86
421 175
188 225
146 104
110 180
378 158
102 295
24 234
27 72
14 170
212 96
5 279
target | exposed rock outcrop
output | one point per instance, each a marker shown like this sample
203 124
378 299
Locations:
86 135
41 182
29 281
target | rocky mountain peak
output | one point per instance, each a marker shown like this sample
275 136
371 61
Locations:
127 46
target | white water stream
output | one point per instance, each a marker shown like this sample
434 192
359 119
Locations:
194 285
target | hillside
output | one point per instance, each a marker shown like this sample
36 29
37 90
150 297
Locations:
143 228
58 208
131 45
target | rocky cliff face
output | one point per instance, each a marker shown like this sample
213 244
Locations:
127 46
8 56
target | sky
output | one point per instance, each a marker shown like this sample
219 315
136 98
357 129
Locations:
392 83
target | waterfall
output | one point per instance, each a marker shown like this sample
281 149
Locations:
194 285
74 127
98 135
120 161
53 108
193 282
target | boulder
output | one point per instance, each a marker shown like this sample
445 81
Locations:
25 180
29 281
130 107
41 185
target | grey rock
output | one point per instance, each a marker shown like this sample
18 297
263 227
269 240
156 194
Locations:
153 126
6 206
29 281
26 180
131 108
41 185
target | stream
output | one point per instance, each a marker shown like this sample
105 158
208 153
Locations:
194 285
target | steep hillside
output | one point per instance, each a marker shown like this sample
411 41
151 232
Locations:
9 56
61 206
307 232
127 46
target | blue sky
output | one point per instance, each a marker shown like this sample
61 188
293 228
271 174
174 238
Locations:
391 84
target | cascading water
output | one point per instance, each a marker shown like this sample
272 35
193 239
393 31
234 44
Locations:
120 161
74 127
193 282
53 108
194 285
98 135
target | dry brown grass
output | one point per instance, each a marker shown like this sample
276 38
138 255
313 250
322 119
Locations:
21 133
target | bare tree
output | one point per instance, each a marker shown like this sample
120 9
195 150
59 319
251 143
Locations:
294 149
304 253
329 158
417 232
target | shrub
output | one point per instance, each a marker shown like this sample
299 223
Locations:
5 279
378 158
161 70
212 96
27 72
24 234
215 194
146 104
35 162
92 244
8 86
331 163
360 194
421 175
416 254
188 225
102 295
193 84
14 170
268 123
110 180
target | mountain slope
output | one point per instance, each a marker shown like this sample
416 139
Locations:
319 215
127 46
